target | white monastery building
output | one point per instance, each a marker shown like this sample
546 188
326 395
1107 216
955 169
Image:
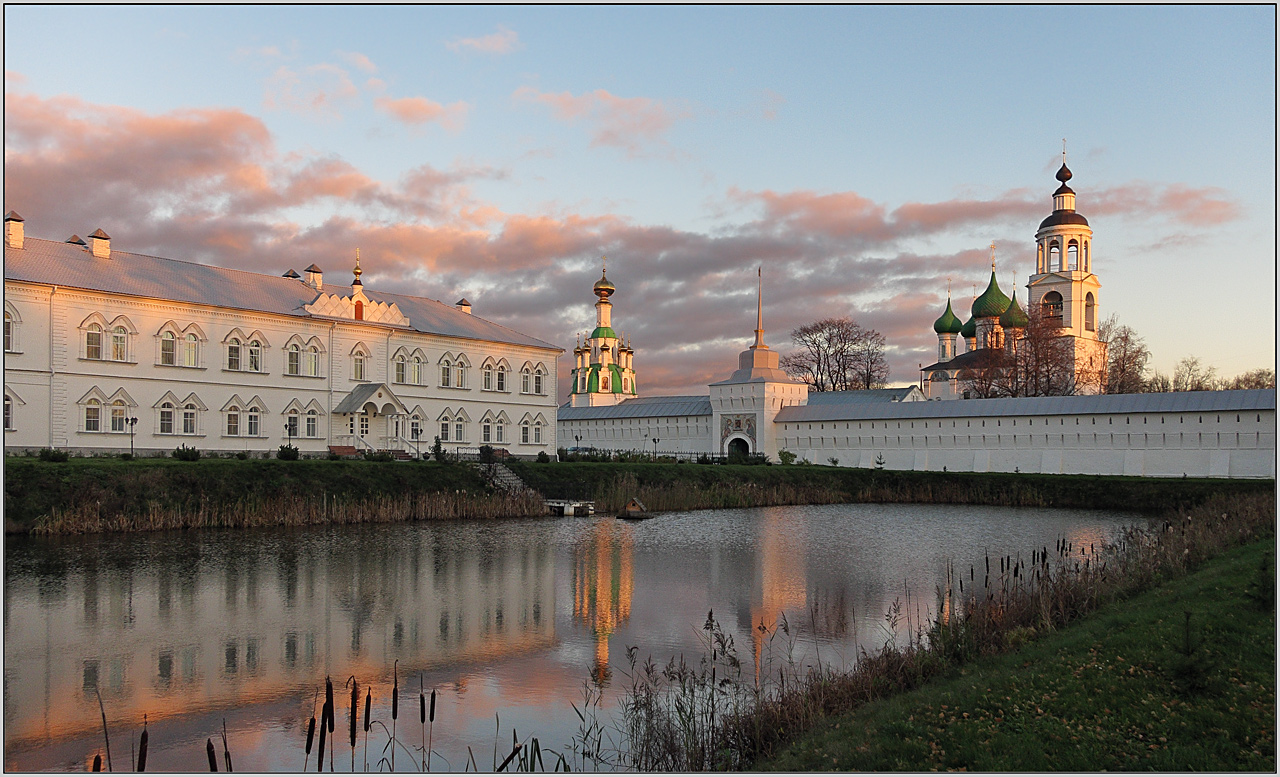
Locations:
759 409
229 361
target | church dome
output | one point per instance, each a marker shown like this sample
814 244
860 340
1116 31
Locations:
970 328
603 287
1060 217
1013 317
948 323
1064 173
991 302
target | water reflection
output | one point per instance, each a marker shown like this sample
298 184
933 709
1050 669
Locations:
504 618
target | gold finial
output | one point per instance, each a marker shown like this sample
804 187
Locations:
358 270
948 287
1064 151
604 264
993 256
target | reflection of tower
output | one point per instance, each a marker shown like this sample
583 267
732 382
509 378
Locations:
602 581
782 577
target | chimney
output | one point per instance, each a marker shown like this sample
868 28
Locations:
292 274
463 305
100 242
75 240
315 279
12 230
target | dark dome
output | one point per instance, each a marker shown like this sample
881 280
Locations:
970 328
992 302
1013 317
1064 174
1064 189
948 323
1060 217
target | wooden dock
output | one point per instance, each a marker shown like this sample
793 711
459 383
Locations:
573 507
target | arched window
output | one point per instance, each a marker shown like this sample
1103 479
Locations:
537 381
359 310
191 352
166 418
313 361
1040 258
626 385
526 381
254 421
415 427
233 354
487 377
294 366
233 421
502 378
255 356
524 433
93 416
313 424
1073 255
118 412
1089 312
582 382
604 382
357 367
446 373
8 407
8 342
120 344
291 424
537 433
93 342
1051 306
168 349
1055 257
415 375
459 430
189 418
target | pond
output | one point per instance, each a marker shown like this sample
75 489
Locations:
507 620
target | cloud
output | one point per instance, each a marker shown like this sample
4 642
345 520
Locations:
319 91
14 78
359 61
210 185
504 41
629 123
416 111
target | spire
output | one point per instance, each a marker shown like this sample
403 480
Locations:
759 343
357 271
993 256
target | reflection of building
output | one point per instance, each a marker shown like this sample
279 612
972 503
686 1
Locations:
229 360
205 626
782 582
602 582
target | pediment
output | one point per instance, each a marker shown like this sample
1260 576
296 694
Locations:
335 306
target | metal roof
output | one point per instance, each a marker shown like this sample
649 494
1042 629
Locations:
641 407
64 264
1104 404
861 397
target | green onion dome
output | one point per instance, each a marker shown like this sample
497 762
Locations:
603 287
1013 317
970 328
948 323
992 302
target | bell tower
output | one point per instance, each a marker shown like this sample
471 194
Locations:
1064 287
603 372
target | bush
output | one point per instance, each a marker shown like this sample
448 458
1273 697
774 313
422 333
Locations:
375 456
287 453
242 455
437 450
786 457
183 453
543 458
833 461
486 454
52 454
126 457
334 457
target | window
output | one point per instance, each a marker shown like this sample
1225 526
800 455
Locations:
93 416
294 366
537 434
233 421
488 370
498 430
168 349
524 434
120 344
357 367
255 356
401 369
93 342
502 378
313 361
1051 306
191 351
364 425
537 383
233 354
604 382
582 382
415 427
313 424
526 382
457 431
444 431
166 418
8 340
255 421
189 419
415 374
1089 312
486 432
8 403
446 374
291 425
118 410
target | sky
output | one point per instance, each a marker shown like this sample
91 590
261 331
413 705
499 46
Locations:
863 157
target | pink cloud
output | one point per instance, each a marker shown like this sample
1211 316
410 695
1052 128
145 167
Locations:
504 41
416 111
359 61
321 91
629 123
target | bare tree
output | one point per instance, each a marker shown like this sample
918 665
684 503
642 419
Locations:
835 354
1040 363
1158 383
1261 378
1192 375
1127 357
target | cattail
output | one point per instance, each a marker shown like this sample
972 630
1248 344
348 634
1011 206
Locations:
213 755
311 733
368 702
142 747
97 762
326 719
328 701
432 718
395 691
422 707
355 711
226 752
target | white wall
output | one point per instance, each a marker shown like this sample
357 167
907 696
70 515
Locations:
676 434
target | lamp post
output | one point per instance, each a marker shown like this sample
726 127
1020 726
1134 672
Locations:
133 421
415 431
655 448
288 429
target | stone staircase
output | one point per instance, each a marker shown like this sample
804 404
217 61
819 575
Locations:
503 479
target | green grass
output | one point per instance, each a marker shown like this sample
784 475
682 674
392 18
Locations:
1110 692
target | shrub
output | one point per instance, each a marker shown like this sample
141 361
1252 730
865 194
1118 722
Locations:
183 453
486 454
242 455
543 458
833 461
378 456
52 454
784 456
334 457
126 456
437 450
287 453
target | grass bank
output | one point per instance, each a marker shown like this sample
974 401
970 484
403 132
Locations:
700 486
1131 688
682 718
104 494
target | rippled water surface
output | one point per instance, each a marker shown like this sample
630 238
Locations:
502 618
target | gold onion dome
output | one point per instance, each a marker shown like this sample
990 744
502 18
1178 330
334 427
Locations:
603 287
992 302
